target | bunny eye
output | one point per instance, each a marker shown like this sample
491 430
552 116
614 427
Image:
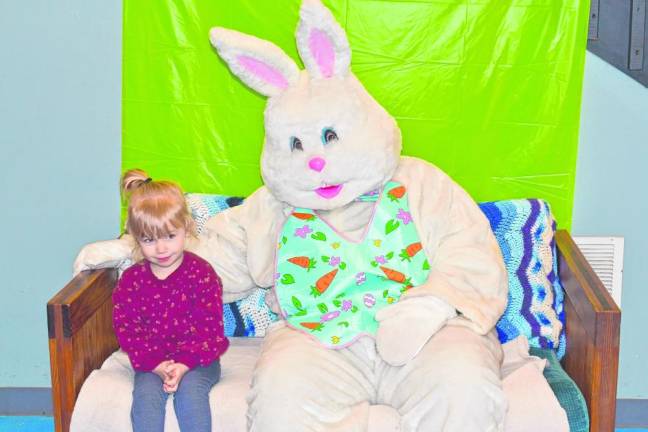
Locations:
328 135
295 144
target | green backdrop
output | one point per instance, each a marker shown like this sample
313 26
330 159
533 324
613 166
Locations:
488 90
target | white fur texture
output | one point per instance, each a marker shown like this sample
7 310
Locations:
314 16
421 317
105 254
231 44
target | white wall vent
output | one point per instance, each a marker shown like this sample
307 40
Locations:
605 255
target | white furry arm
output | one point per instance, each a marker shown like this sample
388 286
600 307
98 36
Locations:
467 269
240 244
405 327
105 254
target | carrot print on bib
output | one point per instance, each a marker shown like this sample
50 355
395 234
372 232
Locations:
332 287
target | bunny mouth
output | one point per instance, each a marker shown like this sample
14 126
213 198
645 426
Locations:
329 191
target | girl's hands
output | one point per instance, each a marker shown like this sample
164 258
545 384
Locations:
171 373
175 372
161 370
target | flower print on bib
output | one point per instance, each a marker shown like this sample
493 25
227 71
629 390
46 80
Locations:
331 287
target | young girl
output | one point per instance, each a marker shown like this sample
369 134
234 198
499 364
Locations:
168 313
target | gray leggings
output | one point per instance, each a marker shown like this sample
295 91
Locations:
191 400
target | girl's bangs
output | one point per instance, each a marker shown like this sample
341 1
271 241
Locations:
155 222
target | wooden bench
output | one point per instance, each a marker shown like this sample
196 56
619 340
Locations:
79 319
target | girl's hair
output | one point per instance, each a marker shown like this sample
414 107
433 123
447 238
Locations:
154 207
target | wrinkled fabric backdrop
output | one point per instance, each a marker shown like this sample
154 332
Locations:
488 90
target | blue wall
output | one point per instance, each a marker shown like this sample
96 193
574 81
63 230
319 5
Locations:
60 97
60 127
611 198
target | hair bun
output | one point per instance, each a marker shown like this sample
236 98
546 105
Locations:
134 179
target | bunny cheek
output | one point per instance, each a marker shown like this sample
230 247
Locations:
344 178
355 164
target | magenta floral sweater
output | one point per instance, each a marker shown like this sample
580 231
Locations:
178 318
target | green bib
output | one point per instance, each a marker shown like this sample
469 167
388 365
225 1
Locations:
332 287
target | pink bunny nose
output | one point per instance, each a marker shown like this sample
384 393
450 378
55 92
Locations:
317 164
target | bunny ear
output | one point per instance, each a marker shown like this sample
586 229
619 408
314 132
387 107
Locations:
321 42
260 64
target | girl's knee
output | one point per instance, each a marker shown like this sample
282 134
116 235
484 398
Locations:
148 386
199 382
192 392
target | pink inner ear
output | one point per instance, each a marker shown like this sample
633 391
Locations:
264 71
322 50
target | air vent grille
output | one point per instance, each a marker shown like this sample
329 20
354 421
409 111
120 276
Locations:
605 255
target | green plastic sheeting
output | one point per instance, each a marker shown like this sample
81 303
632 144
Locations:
489 90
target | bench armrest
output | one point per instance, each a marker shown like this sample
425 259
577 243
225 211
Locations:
592 328
81 337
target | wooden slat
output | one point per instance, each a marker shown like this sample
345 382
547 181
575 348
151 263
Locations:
92 344
62 400
592 329
80 337
78 303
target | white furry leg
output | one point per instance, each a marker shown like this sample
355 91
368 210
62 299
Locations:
452 385
300 386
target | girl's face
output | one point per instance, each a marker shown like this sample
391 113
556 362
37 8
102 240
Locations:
164 253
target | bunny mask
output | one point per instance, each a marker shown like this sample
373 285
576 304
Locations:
327 141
